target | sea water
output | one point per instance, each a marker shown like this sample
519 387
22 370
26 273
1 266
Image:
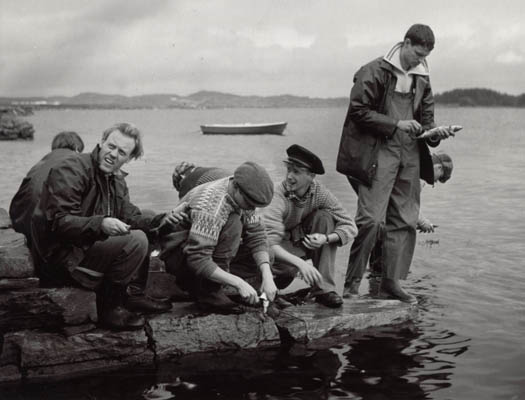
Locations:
469 276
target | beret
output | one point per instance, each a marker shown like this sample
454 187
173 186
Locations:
304 158
255 183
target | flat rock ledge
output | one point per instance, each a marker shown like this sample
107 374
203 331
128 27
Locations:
39 355
51 334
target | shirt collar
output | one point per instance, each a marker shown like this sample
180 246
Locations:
293 196
393 57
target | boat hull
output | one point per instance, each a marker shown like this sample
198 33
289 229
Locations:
276 128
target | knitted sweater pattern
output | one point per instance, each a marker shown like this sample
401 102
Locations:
287 210
211 206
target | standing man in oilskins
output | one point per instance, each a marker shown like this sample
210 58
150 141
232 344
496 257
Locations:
391 103
85 231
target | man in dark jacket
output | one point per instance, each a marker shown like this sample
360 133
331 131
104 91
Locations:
391 103
86 231
64 144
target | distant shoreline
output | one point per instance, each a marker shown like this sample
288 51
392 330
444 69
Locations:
218 100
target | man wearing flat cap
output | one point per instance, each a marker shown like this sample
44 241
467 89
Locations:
221 214
306 221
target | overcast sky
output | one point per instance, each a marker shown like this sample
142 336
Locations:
300 47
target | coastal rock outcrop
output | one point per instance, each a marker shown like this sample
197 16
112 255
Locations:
12 127
51 334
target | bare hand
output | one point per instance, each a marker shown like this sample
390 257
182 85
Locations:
268 287
315 240
176 216
114 227
310 274
425 226
247 292
412 127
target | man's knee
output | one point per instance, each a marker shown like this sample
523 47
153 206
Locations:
369 223
134 252
321 221
138 243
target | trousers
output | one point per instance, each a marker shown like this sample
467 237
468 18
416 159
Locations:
393 201
323 259
115 260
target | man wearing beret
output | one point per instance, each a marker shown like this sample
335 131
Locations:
221 213
306 221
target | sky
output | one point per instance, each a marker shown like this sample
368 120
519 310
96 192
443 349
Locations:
248 47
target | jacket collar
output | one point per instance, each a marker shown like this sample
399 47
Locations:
393 59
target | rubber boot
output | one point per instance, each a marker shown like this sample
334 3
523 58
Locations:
374 286
351 289
111 312
390 288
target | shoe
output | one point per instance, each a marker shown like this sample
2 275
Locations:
330 299
120 319
218 303
147 304
352 289
390 288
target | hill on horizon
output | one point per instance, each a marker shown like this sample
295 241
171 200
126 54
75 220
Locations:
212 99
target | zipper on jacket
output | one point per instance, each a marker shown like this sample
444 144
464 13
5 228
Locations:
109 196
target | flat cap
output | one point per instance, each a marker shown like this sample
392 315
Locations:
255 183
304 158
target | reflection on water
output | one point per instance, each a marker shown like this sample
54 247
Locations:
387 363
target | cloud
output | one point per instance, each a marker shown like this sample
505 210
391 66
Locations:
303 47
508 32
284 37
510 57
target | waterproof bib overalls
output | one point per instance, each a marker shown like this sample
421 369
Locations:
392 200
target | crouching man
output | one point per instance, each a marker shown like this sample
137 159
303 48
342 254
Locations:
65 144
306 221
85 231
199 250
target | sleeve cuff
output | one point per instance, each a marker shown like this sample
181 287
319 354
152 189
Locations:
261 257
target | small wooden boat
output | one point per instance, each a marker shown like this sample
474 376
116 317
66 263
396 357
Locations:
272 128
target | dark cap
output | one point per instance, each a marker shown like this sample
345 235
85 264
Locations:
302 157
255 183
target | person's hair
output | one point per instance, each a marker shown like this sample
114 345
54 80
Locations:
421 35
68 140
446 164
129 131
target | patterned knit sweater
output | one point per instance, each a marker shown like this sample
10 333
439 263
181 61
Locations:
210 207
286 211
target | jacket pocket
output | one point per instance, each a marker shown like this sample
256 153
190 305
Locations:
357 157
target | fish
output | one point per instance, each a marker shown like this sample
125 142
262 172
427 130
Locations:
451 128
265 302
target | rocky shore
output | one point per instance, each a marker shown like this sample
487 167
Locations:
14 128
51 334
